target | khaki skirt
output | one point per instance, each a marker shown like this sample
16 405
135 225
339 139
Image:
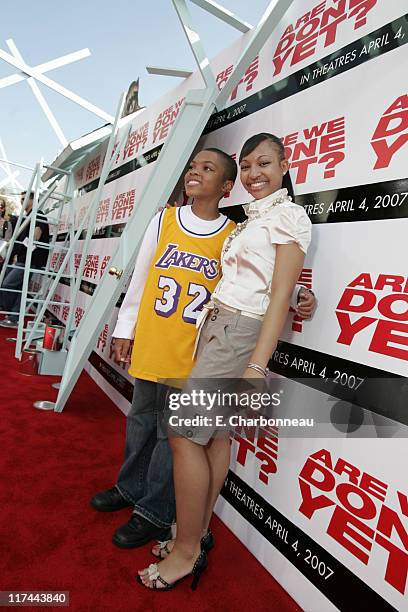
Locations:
226 343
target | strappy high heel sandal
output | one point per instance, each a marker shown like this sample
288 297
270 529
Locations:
207 542
154 577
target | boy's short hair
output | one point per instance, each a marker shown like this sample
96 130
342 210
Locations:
230 166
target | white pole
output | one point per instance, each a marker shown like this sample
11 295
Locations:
51 65
70 95
39 97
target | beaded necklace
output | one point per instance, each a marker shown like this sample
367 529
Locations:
255 212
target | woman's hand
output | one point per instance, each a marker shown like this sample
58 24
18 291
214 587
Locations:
251 373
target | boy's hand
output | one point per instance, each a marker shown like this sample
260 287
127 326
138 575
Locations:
306 303
123 348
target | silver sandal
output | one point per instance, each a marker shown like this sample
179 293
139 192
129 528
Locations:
163 546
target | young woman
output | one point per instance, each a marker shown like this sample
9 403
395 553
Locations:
261 261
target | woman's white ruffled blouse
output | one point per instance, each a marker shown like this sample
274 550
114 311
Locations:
249 260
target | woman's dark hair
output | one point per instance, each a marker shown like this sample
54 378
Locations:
251 144
230 166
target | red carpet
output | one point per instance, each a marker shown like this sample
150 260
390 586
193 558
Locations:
51 539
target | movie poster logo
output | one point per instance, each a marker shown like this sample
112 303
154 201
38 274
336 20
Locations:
247 81
322 23
93 168
322 145
103 338
262 442
360 512
136 142
378 303
391 133
103 212
165 120
305 279
123 205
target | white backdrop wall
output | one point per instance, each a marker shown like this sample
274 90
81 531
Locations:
327 517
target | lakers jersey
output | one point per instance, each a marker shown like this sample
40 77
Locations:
183 274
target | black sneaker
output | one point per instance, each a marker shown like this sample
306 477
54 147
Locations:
139 531
109 501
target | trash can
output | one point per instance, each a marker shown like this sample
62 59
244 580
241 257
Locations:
53 337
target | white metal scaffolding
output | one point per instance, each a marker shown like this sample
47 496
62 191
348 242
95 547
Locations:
67 262
43 204
198 106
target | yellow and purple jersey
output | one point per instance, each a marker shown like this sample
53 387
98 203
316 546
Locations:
183 274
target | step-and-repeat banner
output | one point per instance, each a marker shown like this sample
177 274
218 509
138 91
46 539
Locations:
328 517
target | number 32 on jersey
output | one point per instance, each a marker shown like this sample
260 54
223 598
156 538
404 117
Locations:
167 304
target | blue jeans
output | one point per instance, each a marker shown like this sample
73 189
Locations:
10 301
146 476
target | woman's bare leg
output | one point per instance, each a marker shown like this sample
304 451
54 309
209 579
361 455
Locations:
191 483
218 456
